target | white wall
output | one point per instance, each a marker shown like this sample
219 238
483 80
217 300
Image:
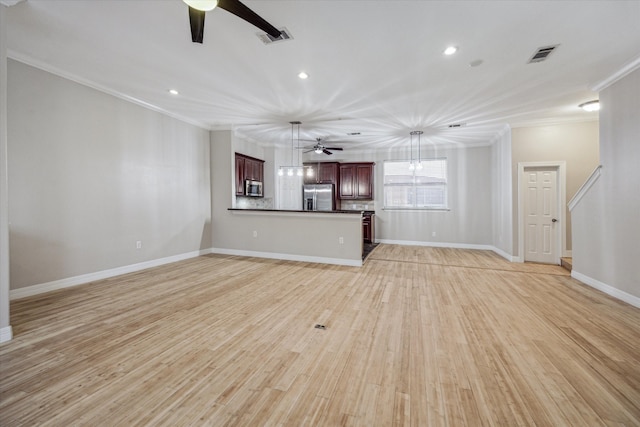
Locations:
5 327
469 218
91 174
606 222
502 200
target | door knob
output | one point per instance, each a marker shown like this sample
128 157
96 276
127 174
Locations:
554 220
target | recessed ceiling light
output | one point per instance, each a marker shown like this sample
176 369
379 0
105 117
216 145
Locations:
303 75
450 50
173 92
590 106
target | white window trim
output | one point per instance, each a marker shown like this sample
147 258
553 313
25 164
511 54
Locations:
445 208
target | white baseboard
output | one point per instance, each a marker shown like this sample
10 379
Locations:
105 274
498 251
6 334
607 289
288 257
437 244
505 255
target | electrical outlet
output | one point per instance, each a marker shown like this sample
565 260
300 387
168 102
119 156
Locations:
138 244
433 234
255 233
341 240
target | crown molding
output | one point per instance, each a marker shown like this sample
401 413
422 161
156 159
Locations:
626 69
10 3
26 59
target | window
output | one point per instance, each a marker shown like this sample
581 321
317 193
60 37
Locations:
424 188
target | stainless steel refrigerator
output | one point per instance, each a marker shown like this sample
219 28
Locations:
317 197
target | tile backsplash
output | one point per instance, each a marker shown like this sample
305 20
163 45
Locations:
254 202
368 205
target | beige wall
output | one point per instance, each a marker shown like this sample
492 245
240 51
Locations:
91 174
607 219
576 144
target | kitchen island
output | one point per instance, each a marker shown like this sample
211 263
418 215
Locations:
331 237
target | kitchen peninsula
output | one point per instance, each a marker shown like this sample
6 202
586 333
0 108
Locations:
332 237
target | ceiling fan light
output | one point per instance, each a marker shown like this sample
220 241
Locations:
290 172
318 150
203 5
590 106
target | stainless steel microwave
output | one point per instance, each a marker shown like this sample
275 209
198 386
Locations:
252 188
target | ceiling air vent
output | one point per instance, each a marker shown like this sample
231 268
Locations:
268 38
542 53
457 125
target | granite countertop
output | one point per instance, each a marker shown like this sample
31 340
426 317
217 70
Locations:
359 212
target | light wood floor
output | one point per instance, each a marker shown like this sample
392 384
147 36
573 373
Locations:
418 336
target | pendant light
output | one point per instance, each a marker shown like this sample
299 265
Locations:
411 165
418 132
418 165
293 169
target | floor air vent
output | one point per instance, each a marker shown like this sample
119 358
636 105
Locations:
542 53
268 38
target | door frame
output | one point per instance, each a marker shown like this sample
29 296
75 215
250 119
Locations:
561 194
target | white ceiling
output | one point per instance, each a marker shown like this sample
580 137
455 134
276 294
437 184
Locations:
375 67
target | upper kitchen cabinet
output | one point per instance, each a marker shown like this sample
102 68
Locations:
321 173
356 181
247 168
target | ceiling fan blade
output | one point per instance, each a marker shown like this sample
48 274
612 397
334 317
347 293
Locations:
196 19
333 148
308 151
325 151
242 11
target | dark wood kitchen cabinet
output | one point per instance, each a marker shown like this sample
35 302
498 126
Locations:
247 168
356 181
321 173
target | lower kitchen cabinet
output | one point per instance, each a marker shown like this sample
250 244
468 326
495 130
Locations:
368 227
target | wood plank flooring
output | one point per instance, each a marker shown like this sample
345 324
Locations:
417 336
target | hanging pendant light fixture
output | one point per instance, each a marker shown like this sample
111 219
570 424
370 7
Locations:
419 164
293 169
411 165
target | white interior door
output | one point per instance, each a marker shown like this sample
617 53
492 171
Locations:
541 213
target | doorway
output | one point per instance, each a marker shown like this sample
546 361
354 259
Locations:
541 212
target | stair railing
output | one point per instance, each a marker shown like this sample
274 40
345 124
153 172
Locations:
582 191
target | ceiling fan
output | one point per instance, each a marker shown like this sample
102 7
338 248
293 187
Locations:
198 8
321 148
